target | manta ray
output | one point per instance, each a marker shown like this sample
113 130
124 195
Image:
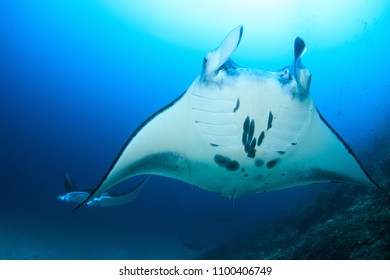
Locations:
237 131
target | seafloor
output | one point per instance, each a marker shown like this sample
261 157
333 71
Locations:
359 228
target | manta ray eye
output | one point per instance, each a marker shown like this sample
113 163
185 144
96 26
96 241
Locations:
285 75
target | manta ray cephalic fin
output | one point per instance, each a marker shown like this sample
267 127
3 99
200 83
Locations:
219 56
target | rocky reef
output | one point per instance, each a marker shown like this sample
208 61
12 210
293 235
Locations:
343 222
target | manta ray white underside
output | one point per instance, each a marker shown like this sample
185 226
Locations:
237 131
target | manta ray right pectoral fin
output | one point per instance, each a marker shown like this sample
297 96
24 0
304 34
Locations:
329 157
219 56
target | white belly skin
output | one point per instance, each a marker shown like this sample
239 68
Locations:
201 140
268 166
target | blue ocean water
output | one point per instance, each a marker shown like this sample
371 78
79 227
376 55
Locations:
76 80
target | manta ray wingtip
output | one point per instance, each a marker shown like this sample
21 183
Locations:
78 206
386 192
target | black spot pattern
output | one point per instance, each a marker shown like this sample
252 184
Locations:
261 138
237 105
272 163
270 119
248 140
245 131
251 129
229 164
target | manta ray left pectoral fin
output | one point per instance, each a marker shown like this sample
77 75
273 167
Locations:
215 59
86 200
109 200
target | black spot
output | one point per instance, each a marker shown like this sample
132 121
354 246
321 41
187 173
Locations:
246 124
242 169
221 160
246 175
252 150
272 163
248 141
252 153
270 119
245 132
253 143
247 147
213 145
226 162
293 143
233 165
259 162
261 138
237 105
246 127
251 130
281 152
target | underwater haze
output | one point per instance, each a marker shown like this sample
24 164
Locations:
78 77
